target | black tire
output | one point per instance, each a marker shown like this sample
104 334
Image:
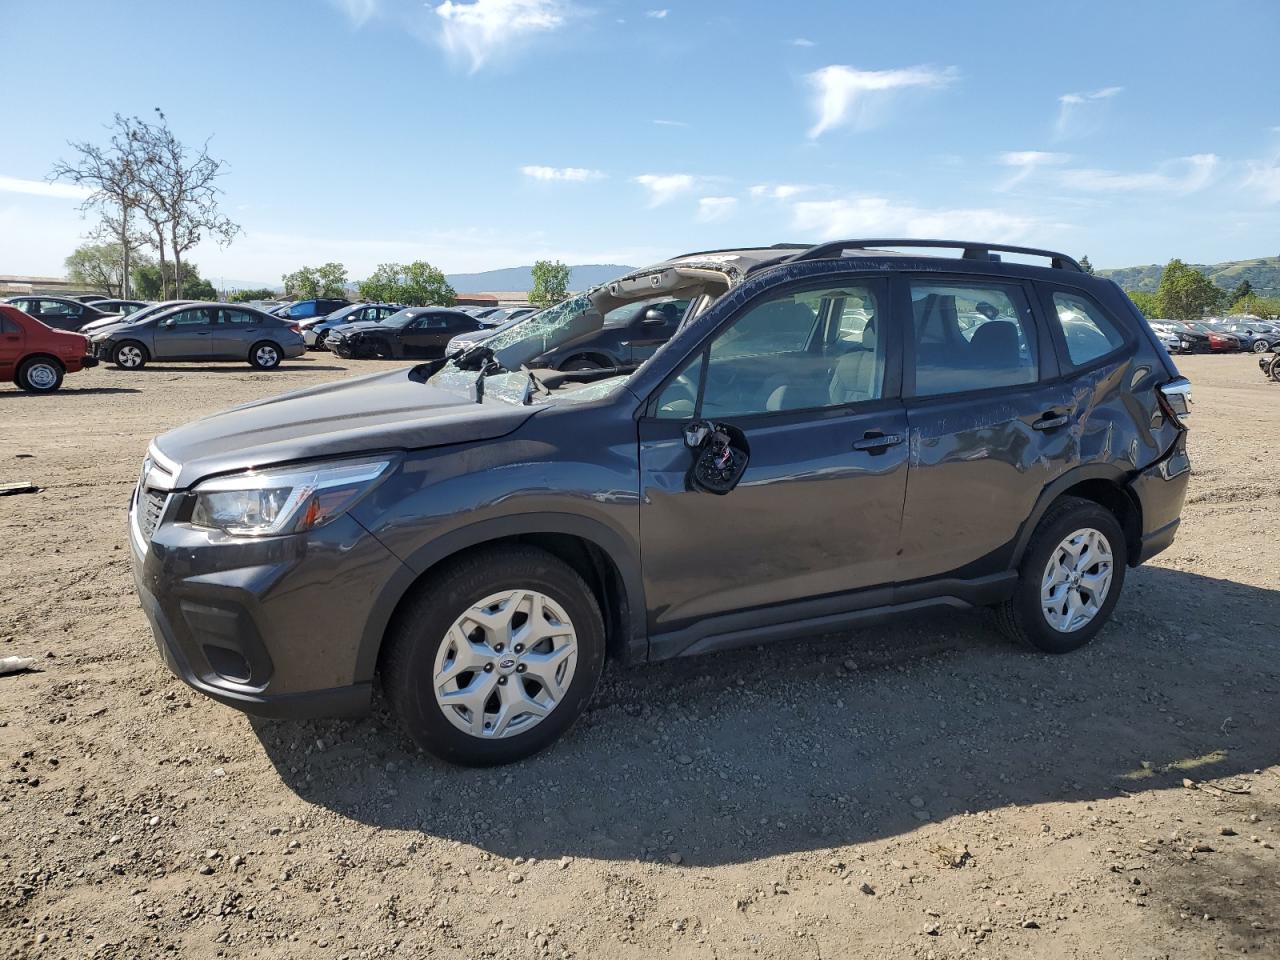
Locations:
1259 346
39 375
130 355
1022 618
1273 370
581 363
420 630
265 355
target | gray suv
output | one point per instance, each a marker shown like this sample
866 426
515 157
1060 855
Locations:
201 332
834 434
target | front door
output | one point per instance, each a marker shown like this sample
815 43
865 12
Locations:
817 509
187 335
989 426
11 340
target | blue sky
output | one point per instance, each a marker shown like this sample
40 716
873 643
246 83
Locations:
487 133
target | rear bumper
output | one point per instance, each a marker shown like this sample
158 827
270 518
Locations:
1161 490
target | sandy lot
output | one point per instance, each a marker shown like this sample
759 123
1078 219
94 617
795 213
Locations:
915 790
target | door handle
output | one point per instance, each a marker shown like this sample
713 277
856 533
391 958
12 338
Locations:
1050 421
876 442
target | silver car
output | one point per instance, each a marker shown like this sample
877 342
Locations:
202 332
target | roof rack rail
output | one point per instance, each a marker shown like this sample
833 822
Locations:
972 251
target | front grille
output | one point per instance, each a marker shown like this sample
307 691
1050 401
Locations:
150 508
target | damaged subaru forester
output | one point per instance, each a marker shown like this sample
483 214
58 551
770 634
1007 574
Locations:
834 434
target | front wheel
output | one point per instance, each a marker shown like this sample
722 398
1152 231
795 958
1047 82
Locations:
1069 580
39 375
265 355
495 656
130 355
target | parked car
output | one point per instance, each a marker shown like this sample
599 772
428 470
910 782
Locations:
201 332
90 298
413 332
818 445
315 331
137 316
61 313
299 310
122 307
37 357
465 341
1189 341
496 318
1219 340
1254 335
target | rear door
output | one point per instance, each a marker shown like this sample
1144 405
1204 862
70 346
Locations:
235 332
990 422
60 314
817 509
187 335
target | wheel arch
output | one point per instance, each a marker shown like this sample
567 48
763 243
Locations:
595 356
1103 484
598 553
39 355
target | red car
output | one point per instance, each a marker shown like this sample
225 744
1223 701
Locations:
36 357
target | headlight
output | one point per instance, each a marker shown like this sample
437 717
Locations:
285 500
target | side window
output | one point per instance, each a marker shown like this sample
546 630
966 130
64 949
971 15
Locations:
432 321
238 318
302 310
784 354
56 308
193 318
1088 331
971 337
26 306
8 326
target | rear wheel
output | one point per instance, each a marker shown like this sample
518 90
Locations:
130 355
1259 346
40 375
1069 580
264 355
495 656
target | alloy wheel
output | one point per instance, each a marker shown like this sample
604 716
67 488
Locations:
267 356
505 664
1077 580
1260 346
129 356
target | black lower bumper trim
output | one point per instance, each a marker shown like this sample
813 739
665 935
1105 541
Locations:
1157 541
352 701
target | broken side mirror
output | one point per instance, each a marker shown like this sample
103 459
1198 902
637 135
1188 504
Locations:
720 455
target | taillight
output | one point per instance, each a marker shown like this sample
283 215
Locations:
1175 400
296 328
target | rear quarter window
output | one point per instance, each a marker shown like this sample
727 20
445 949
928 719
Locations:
1088 332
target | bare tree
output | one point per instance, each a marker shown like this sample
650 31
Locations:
112 175
181 202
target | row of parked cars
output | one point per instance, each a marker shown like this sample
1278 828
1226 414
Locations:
1218 335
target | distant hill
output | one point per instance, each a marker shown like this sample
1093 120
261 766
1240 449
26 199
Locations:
581 276
1263 274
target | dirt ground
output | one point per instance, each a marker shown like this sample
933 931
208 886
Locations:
920 789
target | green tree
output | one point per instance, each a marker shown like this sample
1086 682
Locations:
99 267
307 283
416 284
244 296
1242 290
151 281
1186 293
1264 308
550 283
1085 265
1148 303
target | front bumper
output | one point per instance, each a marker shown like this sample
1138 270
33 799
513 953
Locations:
271 626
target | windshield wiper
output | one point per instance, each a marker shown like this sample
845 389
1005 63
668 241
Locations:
533 384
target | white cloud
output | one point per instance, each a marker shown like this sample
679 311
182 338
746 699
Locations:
665 187
846 95
570 174
869 216
1265 179
656 14
1185 175
479 29
802 42
39 188
1069 105
671 123
777 191
358 12
713 209
1026 162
